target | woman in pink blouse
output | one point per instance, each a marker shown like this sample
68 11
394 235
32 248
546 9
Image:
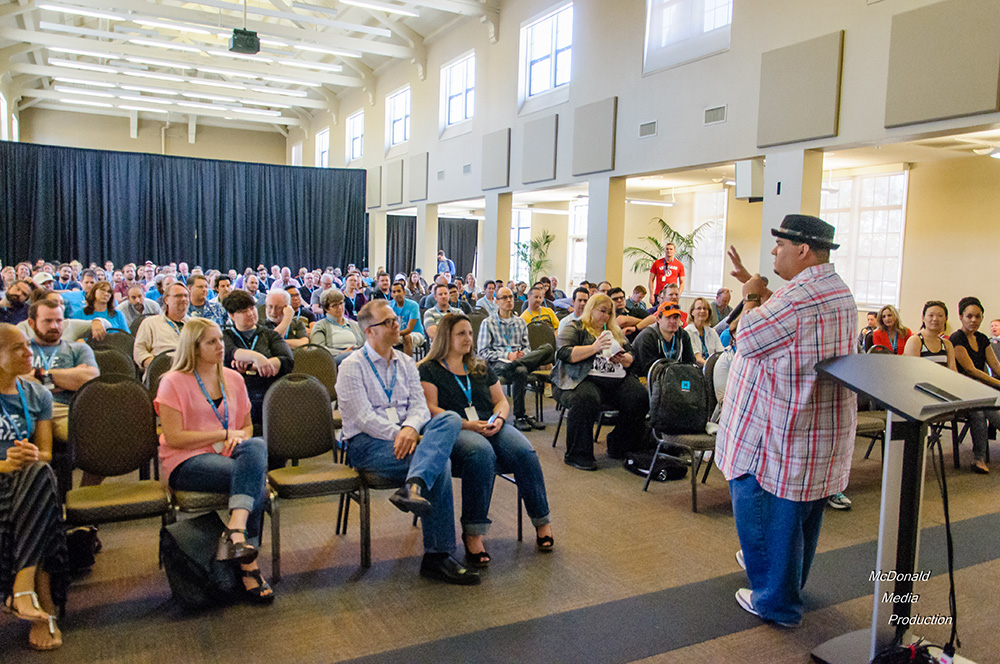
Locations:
206 444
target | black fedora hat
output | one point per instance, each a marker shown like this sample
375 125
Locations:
806 229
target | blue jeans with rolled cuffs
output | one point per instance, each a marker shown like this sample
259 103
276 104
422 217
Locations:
430 462
778 538
243 476
477 459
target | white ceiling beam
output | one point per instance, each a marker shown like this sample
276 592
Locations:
53 96
38 71
289 15
181 60
464 7
14 9
227 23
407 34
203 120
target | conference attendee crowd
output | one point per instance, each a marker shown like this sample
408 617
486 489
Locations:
421 371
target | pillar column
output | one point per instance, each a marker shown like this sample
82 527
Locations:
494 252
792 182
427 239
606 229
377 239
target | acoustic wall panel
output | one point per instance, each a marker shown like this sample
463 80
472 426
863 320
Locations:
538 159
373 192
394 182
594 128
800 91
418 177
944 62
496 159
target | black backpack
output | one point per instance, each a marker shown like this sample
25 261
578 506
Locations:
187 554
678 398
665 469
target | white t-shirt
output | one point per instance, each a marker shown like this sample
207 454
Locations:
712 340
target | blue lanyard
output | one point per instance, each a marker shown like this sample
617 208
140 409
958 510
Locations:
704 348
894 341
29 423
467 388
508 340
46 360
663 346
172 324
392 386
223 420
253 342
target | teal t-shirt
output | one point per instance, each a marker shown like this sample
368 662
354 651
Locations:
13 423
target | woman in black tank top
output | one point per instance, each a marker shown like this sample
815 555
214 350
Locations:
929 342
973 355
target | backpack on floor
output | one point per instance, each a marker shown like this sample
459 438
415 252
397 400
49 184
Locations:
187 554
678 398
665 470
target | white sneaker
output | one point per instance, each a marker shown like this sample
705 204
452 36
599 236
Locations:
839 501
739 559
743 598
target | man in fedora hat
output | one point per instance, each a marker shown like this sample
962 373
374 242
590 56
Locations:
786 436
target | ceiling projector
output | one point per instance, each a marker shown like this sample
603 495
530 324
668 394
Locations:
244 41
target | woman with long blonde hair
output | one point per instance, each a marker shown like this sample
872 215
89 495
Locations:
207 444
891 332
590 375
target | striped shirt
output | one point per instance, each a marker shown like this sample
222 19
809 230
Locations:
500 336
780 422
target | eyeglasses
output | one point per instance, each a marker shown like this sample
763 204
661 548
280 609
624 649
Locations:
388 322
506 297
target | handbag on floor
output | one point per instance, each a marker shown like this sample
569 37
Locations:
187 554
665 470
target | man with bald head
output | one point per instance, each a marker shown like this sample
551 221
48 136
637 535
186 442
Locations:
282 319
137 304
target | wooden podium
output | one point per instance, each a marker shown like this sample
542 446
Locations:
890 381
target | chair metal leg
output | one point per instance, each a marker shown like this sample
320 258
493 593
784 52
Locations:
870 446
347 512
708 467
364 505
562 414
955 441
649 475
275 540
694 479
520 516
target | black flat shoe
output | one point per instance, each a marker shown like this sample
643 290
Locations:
256 595
448 570
409 498
581 466
535 424
545 544
479 560
242 552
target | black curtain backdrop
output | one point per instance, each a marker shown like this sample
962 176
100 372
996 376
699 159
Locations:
401 244
60 203
459 239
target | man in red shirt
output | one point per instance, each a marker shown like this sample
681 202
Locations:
665 271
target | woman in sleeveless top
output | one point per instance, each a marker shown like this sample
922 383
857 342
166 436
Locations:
929 342
973 356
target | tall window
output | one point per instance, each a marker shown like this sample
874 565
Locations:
679 31
5 127
869 213
355 136
520 235
398 113
323 148
549 52
577 262
458 81
708 257
297 154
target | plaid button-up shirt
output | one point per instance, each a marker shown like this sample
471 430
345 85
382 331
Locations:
781 423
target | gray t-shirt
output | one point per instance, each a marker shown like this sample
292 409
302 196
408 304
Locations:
12 422
66 355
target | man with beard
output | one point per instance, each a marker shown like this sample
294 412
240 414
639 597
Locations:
14 305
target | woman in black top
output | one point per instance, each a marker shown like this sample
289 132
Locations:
454 379
973 355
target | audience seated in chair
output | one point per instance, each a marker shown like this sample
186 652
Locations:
973 355
579 302
590 373
136 305
207 444
534 309
665 339
160 333
201 306
385 412
33 573
455 380
704 339
335 332
891 332
411 329
282 319
503 343
442 306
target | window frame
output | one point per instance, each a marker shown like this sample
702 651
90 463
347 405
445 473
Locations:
520 223
708 286
577 208
322 158
555 93
390 120
351 137
447 94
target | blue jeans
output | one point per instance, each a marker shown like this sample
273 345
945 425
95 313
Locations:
477 459
980 430
430 462
778 538
243 476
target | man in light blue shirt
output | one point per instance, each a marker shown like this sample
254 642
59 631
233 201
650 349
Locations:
411 330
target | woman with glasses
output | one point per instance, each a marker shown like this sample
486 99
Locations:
591 375
455 379
207 444
335 332
704 339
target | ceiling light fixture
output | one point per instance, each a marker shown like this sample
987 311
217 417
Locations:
241 56
305 64
286 93
86 66
164 44
90 54
291 81
217 84
155 91
155 75
328 51
149 100
639 201
257 111
80 11
82 102
142 108
380 6
170 26
80 91
226 72
157 63
81 81
201 95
